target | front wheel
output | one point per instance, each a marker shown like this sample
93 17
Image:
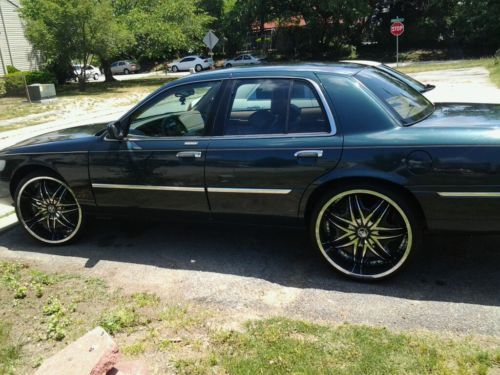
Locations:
228 65
48 209
364 232
96 77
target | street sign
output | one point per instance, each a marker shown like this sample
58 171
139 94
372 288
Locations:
397 28
398 19
210 40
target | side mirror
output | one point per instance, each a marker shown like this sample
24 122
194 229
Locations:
115 131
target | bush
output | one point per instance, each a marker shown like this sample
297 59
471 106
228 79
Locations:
14 82
2 86
12 69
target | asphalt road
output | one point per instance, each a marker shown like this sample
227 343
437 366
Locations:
247 272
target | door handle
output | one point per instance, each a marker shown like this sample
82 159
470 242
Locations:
309 154
189 154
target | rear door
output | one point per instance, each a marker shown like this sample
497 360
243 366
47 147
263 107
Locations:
273 139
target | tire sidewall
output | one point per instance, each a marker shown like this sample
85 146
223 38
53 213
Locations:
175 69
32 176
198 68
398 198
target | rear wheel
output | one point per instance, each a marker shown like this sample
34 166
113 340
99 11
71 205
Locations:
126 71
229 65
366 232
198 68
96 77
175 69
48 209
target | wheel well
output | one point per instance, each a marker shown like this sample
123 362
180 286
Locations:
26 170
322 189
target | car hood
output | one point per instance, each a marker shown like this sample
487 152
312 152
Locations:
463 115
75 136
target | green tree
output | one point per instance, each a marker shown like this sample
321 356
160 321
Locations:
74 30
163 28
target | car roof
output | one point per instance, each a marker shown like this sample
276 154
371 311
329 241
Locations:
298 70
363 62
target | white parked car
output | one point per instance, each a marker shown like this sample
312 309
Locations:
198 63
90 72
244 59
124 67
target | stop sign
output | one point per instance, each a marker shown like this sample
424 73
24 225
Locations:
397 28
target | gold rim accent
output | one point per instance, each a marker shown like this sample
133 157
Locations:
378 195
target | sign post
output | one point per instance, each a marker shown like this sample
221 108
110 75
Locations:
397 29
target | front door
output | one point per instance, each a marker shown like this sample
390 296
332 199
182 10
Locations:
275 138
160 165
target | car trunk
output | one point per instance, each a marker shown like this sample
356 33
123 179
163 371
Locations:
463 115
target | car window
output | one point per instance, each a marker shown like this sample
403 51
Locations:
407 103
187 59
182 112
306 115
238 58
121 63
247 57
114 64
274 106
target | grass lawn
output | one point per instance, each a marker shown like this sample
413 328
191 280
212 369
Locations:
42 312
69 95
492 64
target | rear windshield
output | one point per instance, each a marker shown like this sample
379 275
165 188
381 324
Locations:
408 104
419 86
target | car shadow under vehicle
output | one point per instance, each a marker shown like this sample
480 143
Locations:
451 268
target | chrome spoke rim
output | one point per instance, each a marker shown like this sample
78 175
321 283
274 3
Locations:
364 233
48 210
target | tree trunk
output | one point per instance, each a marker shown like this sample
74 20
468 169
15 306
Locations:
106 67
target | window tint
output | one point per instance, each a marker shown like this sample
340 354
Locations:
114 64
183 112
274 106
187 59
238 58
247 57
408 104
121 63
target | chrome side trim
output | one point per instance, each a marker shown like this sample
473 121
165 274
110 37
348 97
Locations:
149 187
457 194
248 191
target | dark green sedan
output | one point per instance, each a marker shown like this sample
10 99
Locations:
356 156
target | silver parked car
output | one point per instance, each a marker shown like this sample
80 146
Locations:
124 67
244 59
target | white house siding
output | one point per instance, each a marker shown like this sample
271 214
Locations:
15 49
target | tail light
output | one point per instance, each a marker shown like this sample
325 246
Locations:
206 60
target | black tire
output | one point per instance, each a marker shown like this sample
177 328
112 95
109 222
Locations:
175 69
96 77
42 198
126 71
198 68
366 231
229 65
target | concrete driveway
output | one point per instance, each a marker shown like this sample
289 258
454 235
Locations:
248 272
469 85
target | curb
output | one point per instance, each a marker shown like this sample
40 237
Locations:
8 222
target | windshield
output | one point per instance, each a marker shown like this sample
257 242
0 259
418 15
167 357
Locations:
408 104
419 86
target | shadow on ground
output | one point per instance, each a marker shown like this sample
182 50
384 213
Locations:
452 268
